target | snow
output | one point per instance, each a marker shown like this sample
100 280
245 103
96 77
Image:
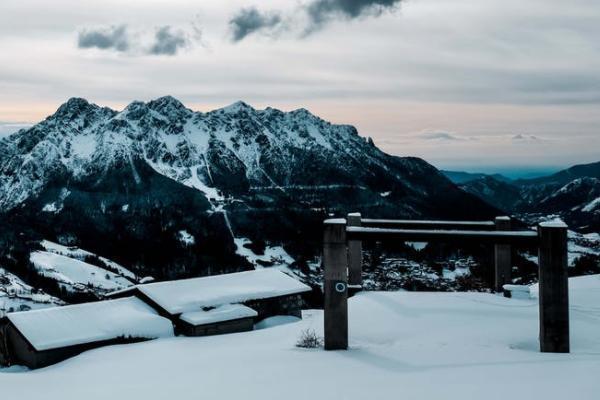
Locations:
518 291
16 295
458 272
195 182
90 322
83 146
335 221
186 238
274 256
57 205
226 312
417 245
188 295
592 205
413 345
51 208
75 274
555 223
592 236
77 253
276 321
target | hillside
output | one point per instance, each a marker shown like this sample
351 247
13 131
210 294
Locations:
414 345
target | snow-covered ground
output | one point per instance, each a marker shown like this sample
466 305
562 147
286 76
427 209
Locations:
403 345
273 256
80 254
76 275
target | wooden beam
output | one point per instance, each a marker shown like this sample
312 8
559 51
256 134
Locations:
424 224
553 288
335 286
354 254
526 238
502 257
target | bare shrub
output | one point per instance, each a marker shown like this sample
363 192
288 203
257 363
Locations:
309 340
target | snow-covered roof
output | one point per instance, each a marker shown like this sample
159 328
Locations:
90 322
226 312
188 295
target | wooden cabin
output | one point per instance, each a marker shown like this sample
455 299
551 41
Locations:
213 304
43 337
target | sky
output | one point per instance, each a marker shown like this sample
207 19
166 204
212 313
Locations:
483 85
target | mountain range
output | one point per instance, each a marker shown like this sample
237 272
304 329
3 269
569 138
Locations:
572 194
170 192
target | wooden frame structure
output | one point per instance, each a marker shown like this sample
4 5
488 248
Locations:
342 260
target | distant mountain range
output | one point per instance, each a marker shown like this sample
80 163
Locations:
460 177
573 194
166 191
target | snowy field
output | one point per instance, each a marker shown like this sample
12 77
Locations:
403 345
76 275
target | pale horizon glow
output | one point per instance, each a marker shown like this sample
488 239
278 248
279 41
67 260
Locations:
488 85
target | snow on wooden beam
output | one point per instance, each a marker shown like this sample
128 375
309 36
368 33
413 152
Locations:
431 235
425 224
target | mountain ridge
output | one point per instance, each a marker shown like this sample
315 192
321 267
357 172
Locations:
125 184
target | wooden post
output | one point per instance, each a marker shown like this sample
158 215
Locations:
502 259
553 288
335 286
354 254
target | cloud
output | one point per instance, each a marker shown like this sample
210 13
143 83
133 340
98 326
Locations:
322 11
113 37
162 41
7 128
309 17
251 20
522 139
439 136
168 42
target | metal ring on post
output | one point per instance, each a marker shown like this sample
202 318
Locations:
340 287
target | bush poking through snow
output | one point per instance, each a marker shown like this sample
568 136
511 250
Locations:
309 340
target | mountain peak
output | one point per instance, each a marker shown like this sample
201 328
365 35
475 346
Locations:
303 112
237 107
74 107
166 104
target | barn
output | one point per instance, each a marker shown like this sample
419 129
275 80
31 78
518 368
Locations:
43 337
222 303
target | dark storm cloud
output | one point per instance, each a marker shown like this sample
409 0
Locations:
309 17
168 42
164 41
322 11
251 20
105 38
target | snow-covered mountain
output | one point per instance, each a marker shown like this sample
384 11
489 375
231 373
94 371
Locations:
126 184
228 151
